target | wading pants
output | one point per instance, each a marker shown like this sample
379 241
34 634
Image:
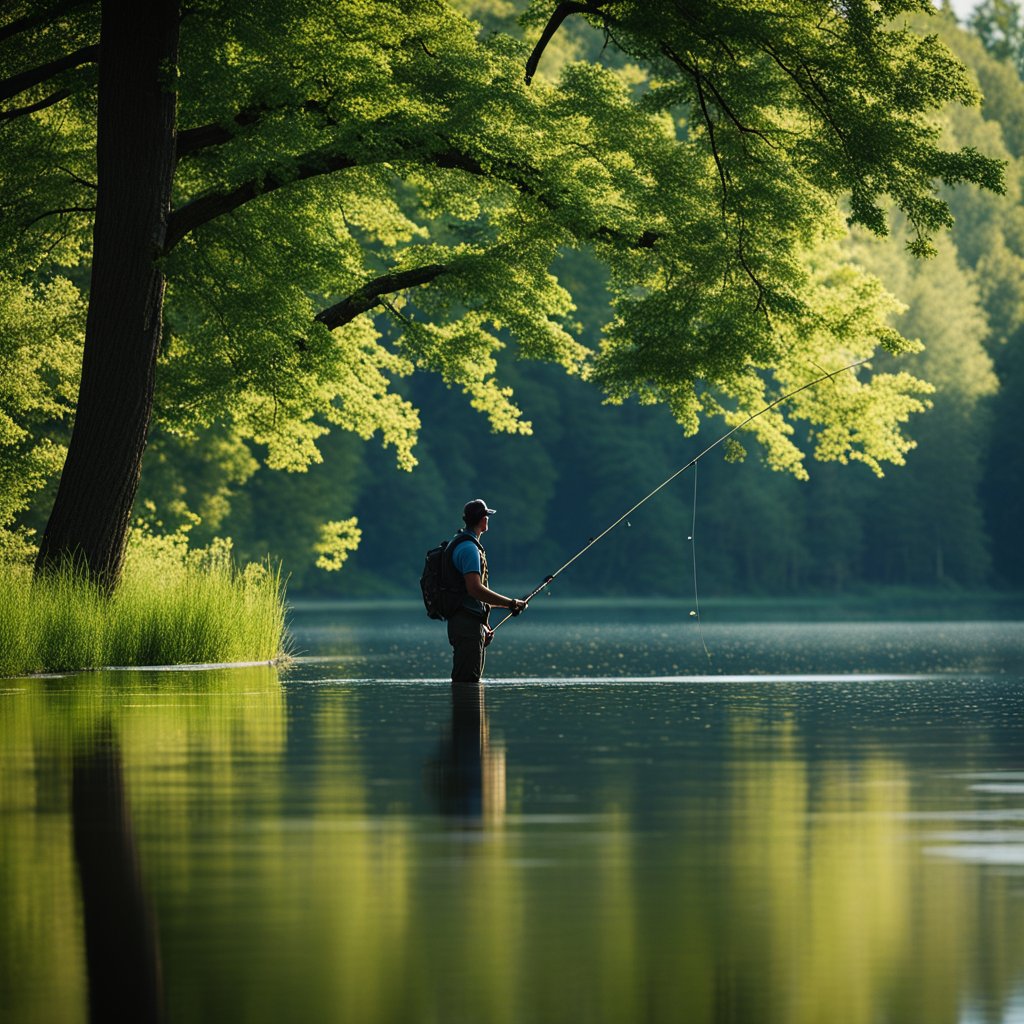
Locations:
466 635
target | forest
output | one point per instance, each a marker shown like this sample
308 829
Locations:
317 489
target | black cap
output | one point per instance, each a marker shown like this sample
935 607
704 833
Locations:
475 510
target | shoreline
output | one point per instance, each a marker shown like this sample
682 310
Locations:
188 667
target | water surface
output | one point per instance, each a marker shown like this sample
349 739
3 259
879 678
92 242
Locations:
820 822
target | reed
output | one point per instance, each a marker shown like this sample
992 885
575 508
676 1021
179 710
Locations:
173 606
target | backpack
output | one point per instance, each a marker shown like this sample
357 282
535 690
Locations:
440 597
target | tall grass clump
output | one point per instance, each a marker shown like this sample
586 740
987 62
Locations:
173 606
15 613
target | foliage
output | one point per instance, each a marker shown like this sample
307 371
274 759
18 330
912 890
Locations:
175 606
325 150
656 214
40 329
337 538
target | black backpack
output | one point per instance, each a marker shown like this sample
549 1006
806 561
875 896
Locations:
442 596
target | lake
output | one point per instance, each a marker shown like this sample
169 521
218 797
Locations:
815 821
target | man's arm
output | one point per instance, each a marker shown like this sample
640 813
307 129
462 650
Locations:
476 589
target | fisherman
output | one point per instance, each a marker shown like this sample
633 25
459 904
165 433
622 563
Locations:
468 629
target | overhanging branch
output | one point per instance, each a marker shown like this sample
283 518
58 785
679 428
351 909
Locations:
215 204
206 136
722 174
209 207
702 79
370 294
49 101
26 79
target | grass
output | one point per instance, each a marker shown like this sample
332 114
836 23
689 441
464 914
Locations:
173 606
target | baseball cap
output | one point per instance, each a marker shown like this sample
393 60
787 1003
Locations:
475 510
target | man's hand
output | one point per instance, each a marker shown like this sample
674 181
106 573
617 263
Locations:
516 606
488 636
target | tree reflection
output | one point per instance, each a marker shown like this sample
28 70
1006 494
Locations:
755 855
121 946
467 775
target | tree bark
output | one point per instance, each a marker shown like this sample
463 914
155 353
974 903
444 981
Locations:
135 164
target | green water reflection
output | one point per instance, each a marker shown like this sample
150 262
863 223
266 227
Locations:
235 846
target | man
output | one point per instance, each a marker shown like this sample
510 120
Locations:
468 630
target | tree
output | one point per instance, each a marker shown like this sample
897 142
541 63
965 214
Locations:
135 154
287 170
939 535
1000 28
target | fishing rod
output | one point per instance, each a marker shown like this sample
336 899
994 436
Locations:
548 580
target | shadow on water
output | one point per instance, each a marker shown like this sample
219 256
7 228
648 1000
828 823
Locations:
466 776
122 949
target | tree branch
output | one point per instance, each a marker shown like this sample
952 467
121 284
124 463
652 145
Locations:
193 140
26 79
701 79
54 213
208 207
49 101
742 128
457 160
761 304
711 137
214 204
77 178
820 104
560 13
32 20
370 294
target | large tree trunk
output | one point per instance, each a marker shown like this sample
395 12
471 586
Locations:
135 166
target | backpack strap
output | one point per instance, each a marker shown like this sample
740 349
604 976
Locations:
460 536
457 581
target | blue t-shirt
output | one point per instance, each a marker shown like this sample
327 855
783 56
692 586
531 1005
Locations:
466 558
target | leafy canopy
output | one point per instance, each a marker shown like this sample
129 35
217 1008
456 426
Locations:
365 190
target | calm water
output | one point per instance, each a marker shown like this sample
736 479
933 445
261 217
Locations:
818 823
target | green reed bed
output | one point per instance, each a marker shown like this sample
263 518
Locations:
173 606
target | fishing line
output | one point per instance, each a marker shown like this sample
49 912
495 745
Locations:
682 469
693 550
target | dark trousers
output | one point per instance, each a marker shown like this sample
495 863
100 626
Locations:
466 635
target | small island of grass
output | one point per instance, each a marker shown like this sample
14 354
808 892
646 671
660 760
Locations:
172 606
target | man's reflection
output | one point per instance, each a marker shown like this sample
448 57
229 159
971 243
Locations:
468 773
121 947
